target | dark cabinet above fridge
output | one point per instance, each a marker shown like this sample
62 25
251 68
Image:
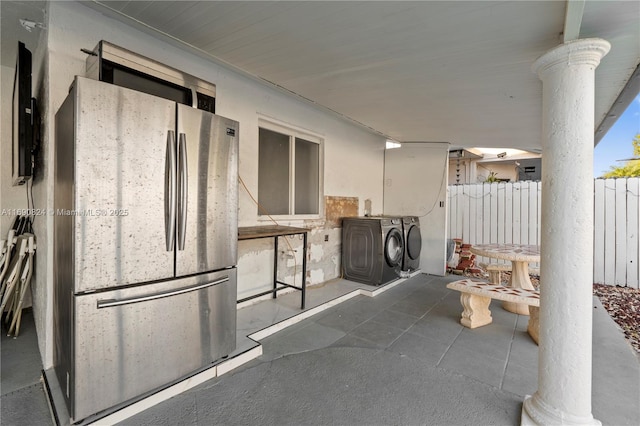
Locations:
117 65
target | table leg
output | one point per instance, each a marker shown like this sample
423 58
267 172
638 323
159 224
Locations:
476 311
519 279
533 327
304 270
275 266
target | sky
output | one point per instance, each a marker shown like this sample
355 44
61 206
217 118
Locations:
616 144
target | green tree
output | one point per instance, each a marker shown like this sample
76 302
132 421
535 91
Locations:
631 168
493 177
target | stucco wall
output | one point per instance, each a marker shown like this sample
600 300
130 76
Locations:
9 195
477 171
353 156
503 171
15 197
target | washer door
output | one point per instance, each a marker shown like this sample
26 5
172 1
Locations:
414 242
394 248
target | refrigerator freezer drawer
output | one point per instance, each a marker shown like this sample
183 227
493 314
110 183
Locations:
132 341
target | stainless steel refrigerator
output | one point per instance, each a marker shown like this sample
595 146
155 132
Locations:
145 244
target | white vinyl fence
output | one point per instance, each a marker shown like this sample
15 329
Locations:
507 212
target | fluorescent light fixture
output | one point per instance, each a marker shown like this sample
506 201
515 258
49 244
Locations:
392 144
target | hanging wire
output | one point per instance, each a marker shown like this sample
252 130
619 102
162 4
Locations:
444 178
501 187
626 190
266 213
31 209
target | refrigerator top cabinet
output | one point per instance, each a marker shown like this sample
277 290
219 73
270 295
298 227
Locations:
148 188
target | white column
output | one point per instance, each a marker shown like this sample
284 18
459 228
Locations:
566 274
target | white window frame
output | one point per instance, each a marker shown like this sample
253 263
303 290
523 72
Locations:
296 132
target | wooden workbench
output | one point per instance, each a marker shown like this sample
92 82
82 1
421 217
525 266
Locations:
276 231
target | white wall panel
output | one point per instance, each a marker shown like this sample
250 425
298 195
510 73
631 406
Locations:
609 231
598 237
632 232
415 185
621 231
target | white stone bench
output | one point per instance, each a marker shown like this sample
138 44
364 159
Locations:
494 269
475 297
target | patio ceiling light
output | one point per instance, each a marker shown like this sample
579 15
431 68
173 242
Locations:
392 144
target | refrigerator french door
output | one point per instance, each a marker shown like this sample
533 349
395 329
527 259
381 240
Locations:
145 242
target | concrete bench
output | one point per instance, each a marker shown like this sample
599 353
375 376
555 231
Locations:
475 297
494 269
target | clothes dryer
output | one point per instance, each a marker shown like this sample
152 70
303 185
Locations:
372 249
412 243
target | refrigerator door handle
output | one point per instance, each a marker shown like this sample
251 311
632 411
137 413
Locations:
170 190
109 303
182 190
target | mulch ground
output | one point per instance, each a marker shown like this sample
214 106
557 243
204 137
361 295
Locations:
622 304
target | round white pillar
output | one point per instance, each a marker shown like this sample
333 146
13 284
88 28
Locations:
566 262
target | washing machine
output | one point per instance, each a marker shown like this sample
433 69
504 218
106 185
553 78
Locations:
412 243
372 249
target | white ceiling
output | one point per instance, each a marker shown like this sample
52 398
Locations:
451 71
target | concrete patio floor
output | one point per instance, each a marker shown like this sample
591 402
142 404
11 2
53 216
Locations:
400 357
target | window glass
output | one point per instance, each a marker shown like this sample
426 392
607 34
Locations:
289 167
307 177
273 173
